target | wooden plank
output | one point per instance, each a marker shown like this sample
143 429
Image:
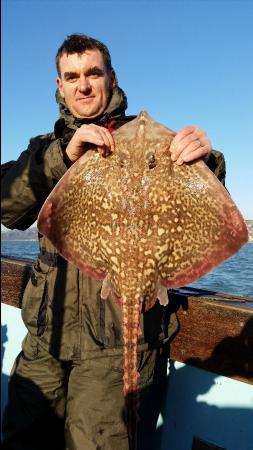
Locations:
214 336
216 330
15 273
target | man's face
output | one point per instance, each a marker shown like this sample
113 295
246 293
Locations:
84 83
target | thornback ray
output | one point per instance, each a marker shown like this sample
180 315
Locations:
141 223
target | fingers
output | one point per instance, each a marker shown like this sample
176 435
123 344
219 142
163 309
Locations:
186 131
91 134
107 146
199 153
97 135
189 144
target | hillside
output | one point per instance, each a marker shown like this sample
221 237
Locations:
16 235
250 228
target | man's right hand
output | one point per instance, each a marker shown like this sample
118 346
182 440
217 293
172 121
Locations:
89 134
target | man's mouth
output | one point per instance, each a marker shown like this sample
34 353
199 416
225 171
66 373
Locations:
84 99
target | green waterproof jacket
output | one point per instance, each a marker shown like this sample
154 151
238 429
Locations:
62 306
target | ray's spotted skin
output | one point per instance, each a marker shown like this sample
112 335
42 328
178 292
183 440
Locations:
141 223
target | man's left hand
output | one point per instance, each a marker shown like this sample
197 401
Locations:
189 144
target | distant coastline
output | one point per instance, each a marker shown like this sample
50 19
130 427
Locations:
249 224
17 235
32 233
19 239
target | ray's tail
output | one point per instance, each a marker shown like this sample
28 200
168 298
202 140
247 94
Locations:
131 324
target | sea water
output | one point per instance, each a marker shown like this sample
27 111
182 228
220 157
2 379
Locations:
234 276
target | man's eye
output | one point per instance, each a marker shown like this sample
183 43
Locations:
94 75
71 78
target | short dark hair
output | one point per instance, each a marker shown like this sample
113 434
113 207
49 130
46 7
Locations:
79 43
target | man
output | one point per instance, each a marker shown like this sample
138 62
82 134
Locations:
69 373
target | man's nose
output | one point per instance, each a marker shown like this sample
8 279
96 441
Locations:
84 84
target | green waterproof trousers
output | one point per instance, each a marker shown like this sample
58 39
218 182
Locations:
79 405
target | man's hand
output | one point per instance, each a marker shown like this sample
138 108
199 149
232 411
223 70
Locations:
89 134
189 144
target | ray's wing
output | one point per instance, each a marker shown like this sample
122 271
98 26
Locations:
204 226
68 216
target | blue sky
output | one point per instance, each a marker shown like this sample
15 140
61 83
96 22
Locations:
185 62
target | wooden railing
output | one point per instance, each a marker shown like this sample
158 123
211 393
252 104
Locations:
216 329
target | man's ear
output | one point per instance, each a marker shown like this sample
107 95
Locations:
59 85
114 81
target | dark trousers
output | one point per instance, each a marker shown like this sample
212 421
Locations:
78 405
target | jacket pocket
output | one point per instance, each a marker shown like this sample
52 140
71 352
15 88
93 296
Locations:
35 300
102 323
